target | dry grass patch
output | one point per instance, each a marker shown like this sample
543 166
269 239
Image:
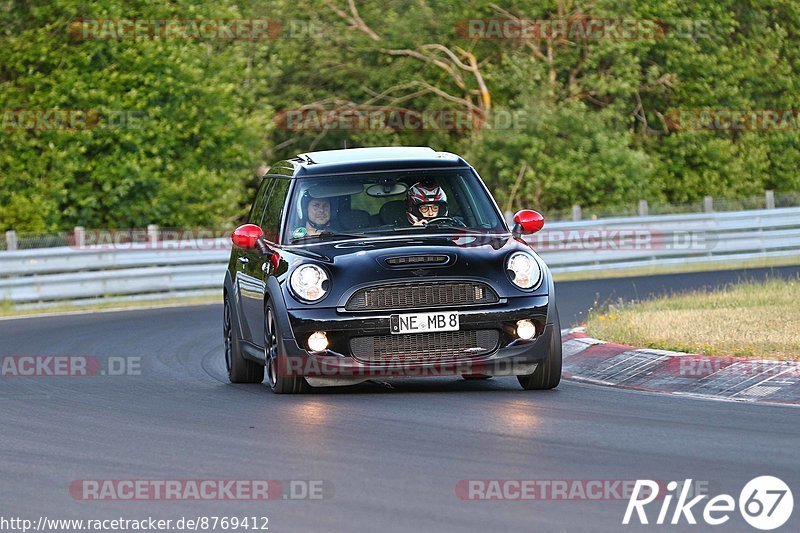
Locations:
747 319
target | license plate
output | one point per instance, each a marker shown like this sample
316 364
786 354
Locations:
424 322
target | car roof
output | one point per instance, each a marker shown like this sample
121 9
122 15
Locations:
366 159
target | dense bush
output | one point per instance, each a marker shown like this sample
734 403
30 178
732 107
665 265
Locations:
179 126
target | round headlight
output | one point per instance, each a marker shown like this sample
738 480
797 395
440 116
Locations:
307 282
524 270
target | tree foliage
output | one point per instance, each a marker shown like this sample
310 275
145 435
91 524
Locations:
182 124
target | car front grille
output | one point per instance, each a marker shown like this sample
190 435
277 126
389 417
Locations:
424 347
420 295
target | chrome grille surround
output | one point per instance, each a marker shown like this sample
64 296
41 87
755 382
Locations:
421 294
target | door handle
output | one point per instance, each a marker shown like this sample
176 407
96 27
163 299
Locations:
244 260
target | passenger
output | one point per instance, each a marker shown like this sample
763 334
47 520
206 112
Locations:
425 202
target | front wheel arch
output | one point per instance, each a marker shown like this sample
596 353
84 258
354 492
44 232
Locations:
278 369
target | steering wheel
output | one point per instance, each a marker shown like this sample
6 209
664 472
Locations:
456 221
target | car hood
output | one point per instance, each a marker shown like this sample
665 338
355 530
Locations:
356 263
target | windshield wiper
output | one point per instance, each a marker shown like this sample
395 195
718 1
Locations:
445 225
328 235
437 226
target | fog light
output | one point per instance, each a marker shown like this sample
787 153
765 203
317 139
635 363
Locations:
525 329
318 341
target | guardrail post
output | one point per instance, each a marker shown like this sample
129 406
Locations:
576 212
643 208
11 240
152 234
708 204
80 237
770 199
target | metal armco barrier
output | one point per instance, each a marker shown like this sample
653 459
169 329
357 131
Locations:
629 242
45 276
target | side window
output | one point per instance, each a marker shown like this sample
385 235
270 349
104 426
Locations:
464 203
257 211
271 223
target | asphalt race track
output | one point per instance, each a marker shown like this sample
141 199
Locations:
390 455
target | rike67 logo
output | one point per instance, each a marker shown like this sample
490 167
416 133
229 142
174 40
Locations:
765 502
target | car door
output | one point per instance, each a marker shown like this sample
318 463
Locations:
257 267
249 287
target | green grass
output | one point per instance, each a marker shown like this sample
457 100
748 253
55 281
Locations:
746 319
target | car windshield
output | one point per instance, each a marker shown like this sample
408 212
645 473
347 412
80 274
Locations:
388 203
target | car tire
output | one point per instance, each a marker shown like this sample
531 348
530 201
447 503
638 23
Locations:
276 358
240 370
548 373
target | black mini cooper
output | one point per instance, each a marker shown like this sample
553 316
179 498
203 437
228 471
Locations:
374 263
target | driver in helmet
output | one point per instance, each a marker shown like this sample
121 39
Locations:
425 202
316 216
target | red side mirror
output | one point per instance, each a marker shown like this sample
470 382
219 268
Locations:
528 221
246 236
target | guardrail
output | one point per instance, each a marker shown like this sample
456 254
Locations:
49 276
669 239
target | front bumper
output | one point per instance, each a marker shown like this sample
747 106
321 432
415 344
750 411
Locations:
336 366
